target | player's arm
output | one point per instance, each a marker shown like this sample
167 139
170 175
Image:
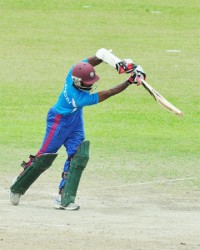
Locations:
105 94
94 61
106 56
122 66
136 77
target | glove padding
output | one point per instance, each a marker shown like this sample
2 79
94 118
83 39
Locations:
125 66
137 76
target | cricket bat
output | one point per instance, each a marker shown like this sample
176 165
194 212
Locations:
161 100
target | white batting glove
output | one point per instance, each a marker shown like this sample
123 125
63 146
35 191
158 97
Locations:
137 76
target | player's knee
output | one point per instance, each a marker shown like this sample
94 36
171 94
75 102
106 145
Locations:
82 138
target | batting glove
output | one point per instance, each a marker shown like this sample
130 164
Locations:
137 76
125 66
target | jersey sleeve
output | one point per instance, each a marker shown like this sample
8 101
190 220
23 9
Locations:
87 99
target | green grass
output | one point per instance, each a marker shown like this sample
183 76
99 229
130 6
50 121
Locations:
131 136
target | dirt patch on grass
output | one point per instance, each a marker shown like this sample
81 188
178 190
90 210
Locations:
130 217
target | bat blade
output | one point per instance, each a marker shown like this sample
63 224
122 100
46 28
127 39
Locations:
161 100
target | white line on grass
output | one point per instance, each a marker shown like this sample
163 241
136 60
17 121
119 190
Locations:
149 182
164 181
173 51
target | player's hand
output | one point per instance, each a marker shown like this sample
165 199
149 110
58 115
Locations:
125 66
137 76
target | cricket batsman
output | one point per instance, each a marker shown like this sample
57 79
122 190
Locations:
65 126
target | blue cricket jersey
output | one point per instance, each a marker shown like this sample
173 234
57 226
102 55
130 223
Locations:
72 99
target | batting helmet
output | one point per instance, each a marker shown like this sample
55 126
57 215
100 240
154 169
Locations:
85 72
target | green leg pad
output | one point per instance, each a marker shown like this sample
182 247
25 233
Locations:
77 165
40 164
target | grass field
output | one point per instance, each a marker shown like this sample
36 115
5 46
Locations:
141 187
131 135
